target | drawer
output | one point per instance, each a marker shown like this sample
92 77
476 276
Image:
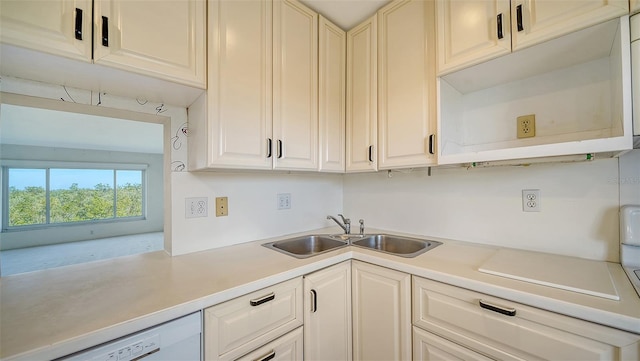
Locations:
284 348
430 347
508 330
238 326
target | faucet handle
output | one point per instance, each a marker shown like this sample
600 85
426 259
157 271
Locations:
362 227
344 220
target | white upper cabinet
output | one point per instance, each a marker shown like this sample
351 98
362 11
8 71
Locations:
161 39
473 31
231 125
534 21
362 85
58 27
260 110
634 6
406 84
295 86
331 96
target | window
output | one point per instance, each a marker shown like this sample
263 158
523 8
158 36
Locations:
48 196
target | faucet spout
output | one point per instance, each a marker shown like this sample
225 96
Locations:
347 223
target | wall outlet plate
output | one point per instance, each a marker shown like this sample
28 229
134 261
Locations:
284 200
526 126
222 206
196 207
531 200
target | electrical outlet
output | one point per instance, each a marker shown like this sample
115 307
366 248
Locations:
222 206
196 207
527 126
531 200
284 200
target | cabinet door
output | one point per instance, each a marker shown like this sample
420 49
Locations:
381 313
165 39
331 111
471 31
327 315
534 21
406 84
429 347
362 90
284 348
634 6
295 86
238 104
60 27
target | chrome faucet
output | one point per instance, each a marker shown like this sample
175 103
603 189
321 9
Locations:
347 223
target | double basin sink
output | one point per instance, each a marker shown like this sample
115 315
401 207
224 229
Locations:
308 246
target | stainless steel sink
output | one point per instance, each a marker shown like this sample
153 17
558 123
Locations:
396 245
306 246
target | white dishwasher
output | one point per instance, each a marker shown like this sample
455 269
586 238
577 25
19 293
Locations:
177 340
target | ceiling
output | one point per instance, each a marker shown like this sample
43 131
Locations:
51 128
346 13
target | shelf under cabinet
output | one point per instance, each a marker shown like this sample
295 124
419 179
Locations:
578 86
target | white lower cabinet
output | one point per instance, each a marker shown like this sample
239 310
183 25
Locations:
430 347
246 323
327 313
284 348
381 313
506 330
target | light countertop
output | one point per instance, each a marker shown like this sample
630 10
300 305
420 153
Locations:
52 313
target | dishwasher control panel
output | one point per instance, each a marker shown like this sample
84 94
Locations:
180 339
138 349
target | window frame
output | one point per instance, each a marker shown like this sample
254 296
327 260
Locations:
5 165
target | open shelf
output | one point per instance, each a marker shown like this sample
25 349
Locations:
578 87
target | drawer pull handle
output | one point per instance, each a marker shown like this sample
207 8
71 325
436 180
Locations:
371 153
279 149
264 299
314 301
500 34
78 28
499 309
519 18
269 148
267 357
105 31
432 144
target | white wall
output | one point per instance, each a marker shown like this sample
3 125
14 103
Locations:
253 212
579 201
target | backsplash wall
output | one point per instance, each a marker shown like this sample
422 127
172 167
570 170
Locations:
579 204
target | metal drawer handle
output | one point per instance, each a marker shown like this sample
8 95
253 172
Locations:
269 147
279 149
371 153
519 18
258 301
105 31
495 308
500 34
267 357
78 28
314 301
